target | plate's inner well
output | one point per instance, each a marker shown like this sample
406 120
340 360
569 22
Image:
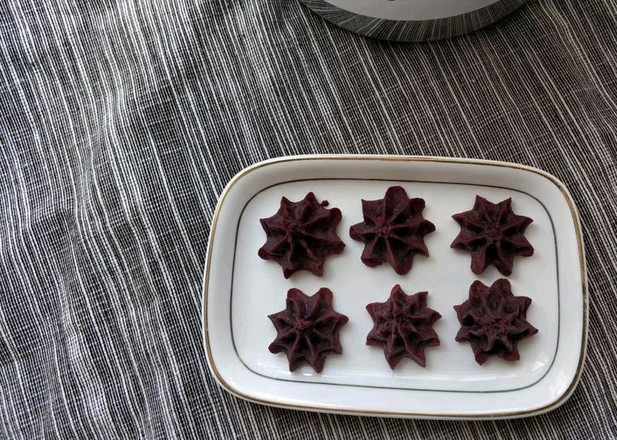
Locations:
259 289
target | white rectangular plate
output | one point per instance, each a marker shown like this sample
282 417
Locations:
240 290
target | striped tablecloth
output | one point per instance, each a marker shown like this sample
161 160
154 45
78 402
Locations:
122 121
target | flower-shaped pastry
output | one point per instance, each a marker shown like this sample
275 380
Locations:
493 234
301 235
493 320
308 329
403 327
393 230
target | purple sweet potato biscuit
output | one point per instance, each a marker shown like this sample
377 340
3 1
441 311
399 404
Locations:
393 230
493 234
493 321
403 327
308 329
301 235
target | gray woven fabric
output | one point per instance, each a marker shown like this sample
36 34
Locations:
121 122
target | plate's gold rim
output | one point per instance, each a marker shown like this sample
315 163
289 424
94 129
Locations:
350 411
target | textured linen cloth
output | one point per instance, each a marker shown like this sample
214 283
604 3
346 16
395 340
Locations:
122 121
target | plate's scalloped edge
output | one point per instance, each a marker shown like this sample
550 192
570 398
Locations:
403 414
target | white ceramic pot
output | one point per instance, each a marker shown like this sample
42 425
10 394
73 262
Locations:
413 20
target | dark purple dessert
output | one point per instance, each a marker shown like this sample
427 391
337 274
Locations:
493 234
493 321
393 230
308 329
301 235
403 327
